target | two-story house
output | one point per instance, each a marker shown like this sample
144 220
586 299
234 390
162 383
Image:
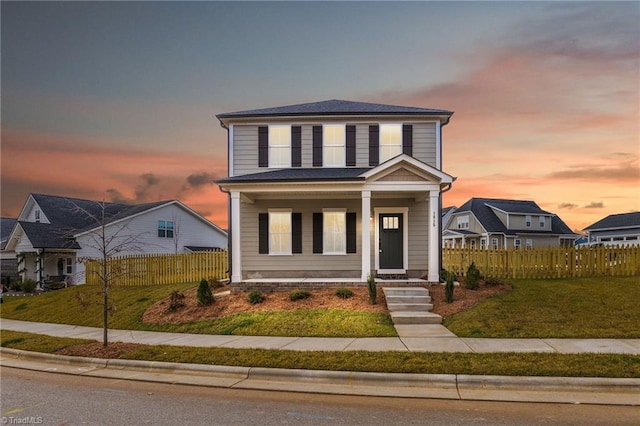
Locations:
335 190
53 235
494 223
622 229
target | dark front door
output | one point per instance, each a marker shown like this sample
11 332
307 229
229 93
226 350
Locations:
391 246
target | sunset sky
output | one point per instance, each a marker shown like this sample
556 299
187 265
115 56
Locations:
117 100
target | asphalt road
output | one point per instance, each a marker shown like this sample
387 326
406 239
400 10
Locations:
30 397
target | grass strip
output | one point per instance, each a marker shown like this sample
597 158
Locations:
505 364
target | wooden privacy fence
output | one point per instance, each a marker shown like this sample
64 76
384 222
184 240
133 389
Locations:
545 262
157 269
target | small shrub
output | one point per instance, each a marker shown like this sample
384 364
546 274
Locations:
373 289
176 301
299 295
15 286
204 296
254 297
344 293
28 285
472 279
448 287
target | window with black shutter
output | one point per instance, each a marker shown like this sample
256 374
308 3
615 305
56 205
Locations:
296 146
263 146
351 232
317 233
350 159
263 233
374 145
296 232
407 139
317 146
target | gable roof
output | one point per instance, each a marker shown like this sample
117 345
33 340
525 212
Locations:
621 220
334 107
482 209
43 235
6 225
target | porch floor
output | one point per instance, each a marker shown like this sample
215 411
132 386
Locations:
345 281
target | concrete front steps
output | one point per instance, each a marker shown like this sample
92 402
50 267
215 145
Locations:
410 305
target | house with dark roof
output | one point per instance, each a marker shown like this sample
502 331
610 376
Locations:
495 223
621 229
53 235
334 190
8 261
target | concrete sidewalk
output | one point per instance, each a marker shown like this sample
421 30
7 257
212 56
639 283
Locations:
412 338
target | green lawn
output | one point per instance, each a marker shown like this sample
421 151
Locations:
509 364
81 306
606 307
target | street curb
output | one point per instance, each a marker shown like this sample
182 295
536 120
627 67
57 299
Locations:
573 390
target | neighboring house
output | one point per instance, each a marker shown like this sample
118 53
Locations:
53 235
494 223
335 189
8 261
617 229
447 212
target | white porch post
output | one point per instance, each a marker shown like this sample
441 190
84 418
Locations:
236 266
366 234
434 236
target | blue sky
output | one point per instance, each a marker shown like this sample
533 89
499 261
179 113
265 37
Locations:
118 99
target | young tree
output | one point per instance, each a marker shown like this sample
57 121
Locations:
109 238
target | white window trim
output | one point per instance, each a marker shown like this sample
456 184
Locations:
405 238
290 252
380 157
344 145
528 243
542 221
462 220
269 147
517 243
527 221
496 245
173 228
344 234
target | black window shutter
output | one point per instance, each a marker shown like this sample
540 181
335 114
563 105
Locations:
296 232
296 146
317 146
407 139
374 145
351 232
263 146
263 233
318 245
351 146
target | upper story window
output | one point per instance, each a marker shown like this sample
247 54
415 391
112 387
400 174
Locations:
527 221
279 146
463 222
334 145
165 228
390 141
37 215
542 221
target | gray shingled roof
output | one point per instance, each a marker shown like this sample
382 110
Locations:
621 220
300 174
44 235
480 208
6 225
334 107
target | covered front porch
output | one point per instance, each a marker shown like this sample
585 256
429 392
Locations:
391 214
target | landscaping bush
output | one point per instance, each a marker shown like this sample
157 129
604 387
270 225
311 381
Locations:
448 286
472 279
176 301
204 296
254 297
299 295
373 289
28 285
344 293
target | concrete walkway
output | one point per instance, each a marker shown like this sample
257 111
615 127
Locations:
412 338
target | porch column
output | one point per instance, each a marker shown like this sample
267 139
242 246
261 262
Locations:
434 237
366 234
236 264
